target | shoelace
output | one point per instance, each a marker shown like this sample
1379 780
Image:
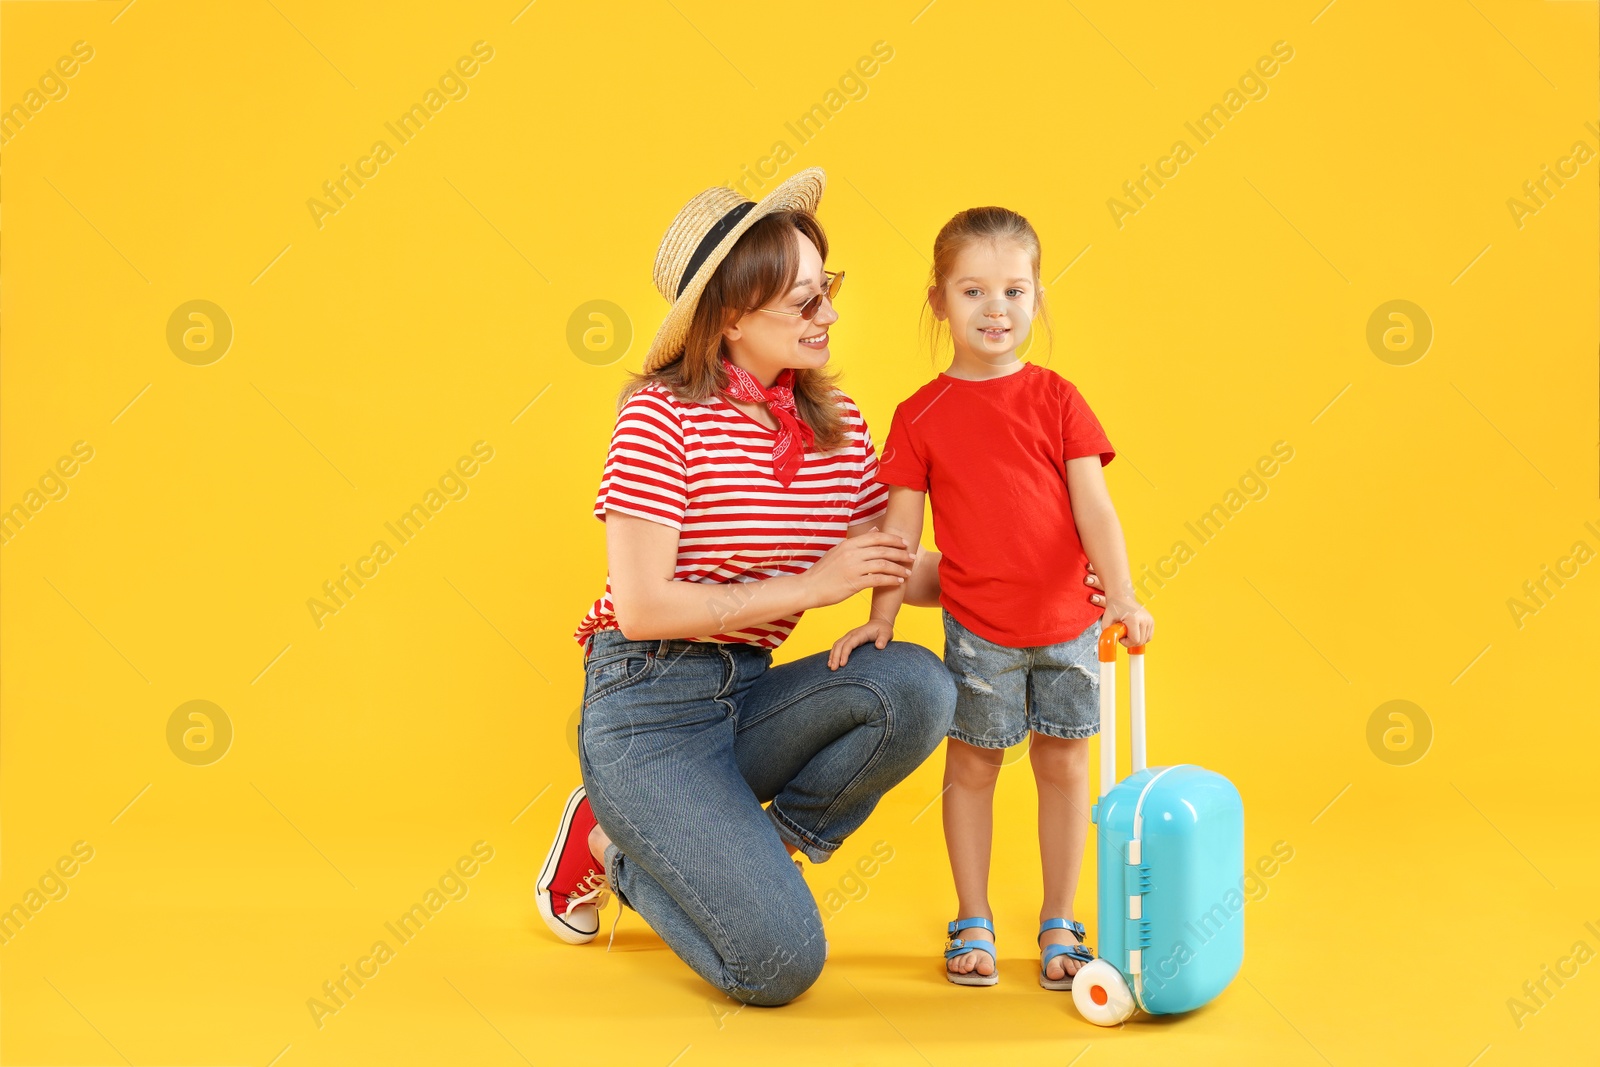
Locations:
591 889
614 922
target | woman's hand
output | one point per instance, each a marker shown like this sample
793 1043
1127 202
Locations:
879 631
858 563
1141 627
1092 580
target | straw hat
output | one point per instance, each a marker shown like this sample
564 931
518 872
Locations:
700 237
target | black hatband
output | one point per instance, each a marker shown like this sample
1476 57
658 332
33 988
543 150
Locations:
709 242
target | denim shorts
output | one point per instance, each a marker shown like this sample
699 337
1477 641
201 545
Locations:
1002 693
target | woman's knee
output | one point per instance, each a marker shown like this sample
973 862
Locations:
760 939
919 693
786 969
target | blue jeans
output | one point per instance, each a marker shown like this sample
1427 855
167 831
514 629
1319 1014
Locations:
681 742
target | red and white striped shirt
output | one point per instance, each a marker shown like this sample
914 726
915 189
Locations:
705 469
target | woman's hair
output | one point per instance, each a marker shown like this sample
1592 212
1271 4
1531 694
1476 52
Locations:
995 224
760 267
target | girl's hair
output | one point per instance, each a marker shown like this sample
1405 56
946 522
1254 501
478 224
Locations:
995 224
760 267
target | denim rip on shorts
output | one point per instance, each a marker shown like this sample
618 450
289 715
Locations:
1002 693
681 742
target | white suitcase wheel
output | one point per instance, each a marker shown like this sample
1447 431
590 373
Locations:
1101 995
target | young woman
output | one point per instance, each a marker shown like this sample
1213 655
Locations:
739 491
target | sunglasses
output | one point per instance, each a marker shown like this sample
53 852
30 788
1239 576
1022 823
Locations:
809 309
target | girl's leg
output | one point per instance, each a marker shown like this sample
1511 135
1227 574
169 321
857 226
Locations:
1061 770
991 716
970 774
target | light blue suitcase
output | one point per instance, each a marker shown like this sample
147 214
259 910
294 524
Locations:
1171 853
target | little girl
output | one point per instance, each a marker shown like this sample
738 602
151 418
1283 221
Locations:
1011 455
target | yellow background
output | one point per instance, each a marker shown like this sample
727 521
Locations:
368 354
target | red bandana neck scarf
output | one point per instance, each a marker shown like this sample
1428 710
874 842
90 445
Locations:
794 436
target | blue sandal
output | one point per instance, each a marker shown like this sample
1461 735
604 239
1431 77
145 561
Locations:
1080 952
955 946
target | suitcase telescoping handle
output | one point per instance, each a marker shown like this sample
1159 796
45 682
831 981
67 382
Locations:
1110 638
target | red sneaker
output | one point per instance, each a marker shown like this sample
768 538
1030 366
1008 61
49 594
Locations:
572 886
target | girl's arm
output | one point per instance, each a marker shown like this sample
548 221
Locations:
1101 534
904 520
922 588
642 557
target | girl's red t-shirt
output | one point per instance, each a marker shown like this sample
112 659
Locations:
992 457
